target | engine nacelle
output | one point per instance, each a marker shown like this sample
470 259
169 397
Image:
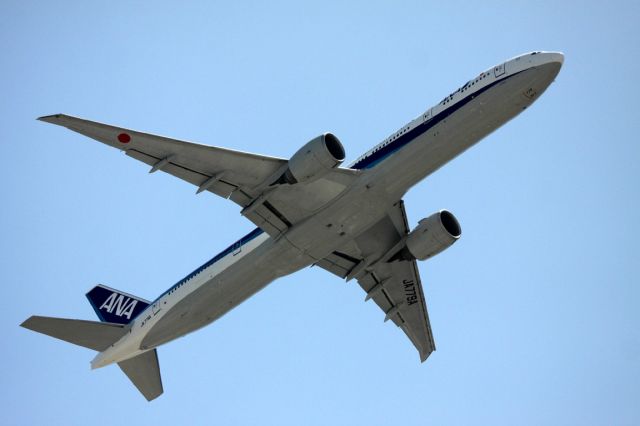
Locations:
433 234
314 160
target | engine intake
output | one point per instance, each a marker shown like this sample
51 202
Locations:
314 160
433 235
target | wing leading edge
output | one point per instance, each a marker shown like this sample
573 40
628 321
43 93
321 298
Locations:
394 286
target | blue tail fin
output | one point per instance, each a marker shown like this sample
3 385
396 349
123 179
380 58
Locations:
115 306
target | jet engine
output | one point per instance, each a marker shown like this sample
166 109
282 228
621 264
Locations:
314 160
432 235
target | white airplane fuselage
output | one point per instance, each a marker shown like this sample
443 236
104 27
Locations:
388 171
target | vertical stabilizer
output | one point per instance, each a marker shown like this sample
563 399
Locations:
115 306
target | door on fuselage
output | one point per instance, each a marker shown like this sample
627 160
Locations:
237 248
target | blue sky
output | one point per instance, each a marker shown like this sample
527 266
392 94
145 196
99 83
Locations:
534 311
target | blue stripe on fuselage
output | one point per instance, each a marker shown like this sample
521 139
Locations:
238 244
366 163
386 151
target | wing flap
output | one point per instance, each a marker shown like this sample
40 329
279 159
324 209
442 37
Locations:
394 286
220 187
402 300
268 218
337 264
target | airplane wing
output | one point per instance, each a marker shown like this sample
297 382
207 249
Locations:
394 286
245 178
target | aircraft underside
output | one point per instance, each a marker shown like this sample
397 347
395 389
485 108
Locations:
308 210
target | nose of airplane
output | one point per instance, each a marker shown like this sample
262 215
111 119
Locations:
547 69
556 57
553 63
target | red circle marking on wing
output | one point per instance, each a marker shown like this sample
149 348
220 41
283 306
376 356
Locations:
124 138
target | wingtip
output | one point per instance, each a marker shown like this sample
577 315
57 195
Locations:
50 118
153 396
424 356
26 323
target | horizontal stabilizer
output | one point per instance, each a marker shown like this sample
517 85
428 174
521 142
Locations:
144 371
89 334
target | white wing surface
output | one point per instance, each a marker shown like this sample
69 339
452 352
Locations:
394 286
245 178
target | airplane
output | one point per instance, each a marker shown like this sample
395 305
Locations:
308 210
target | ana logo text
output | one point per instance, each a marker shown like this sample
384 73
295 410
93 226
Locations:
120 304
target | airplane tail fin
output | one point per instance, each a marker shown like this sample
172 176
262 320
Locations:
144 372
89 334
115 306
